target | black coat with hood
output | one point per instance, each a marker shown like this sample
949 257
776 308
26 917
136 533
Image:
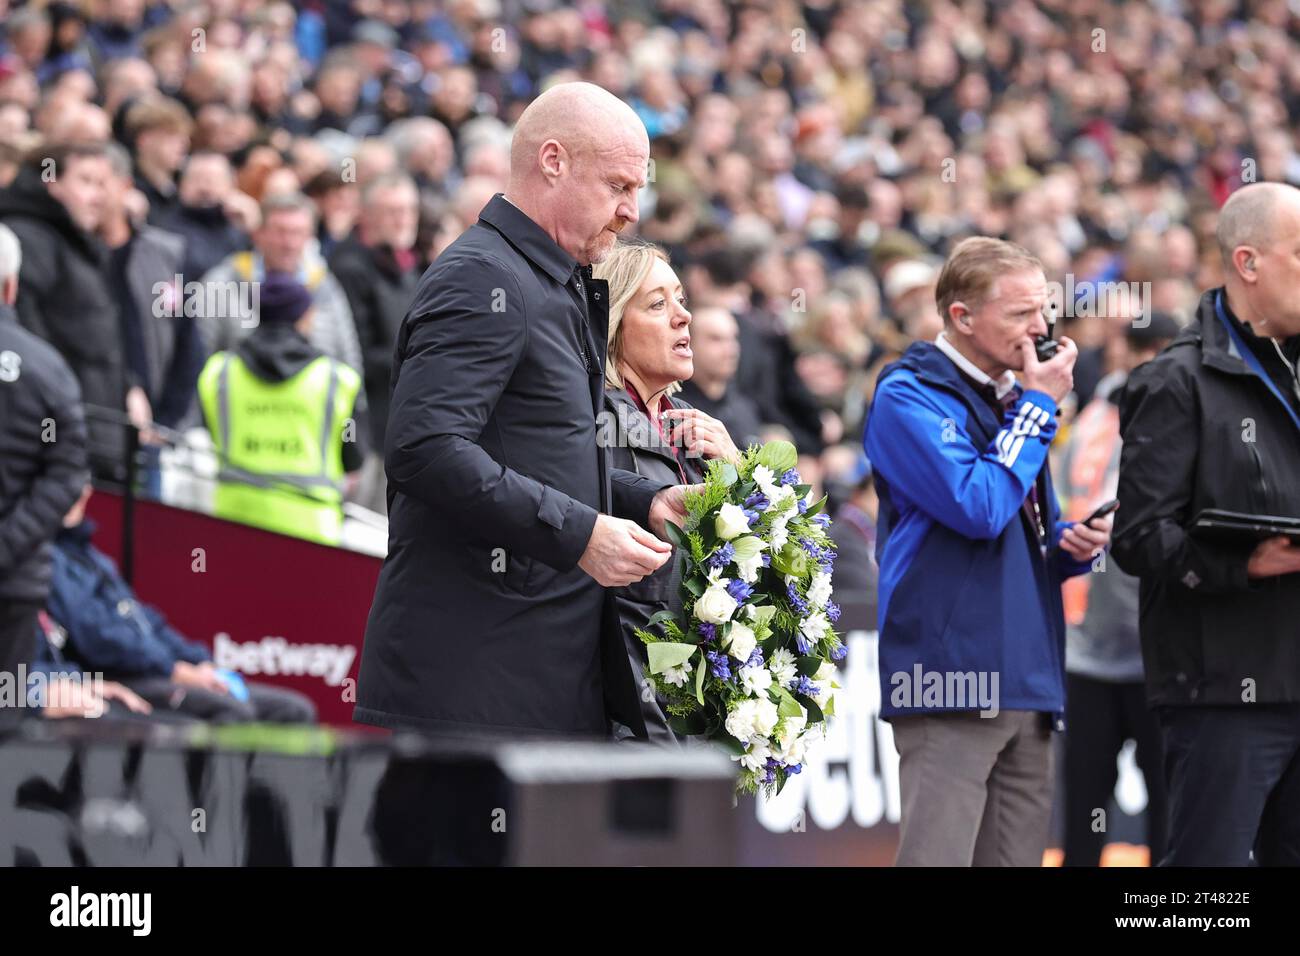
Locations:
1201 429
637 447
65 298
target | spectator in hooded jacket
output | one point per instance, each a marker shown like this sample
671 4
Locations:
283 417
42 463
54 208
1214 422
163 350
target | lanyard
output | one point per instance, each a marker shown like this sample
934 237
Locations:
1251 360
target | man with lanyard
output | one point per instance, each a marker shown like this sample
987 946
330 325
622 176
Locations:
1214 422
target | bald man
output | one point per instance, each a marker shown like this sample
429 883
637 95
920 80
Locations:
1214 422
506 525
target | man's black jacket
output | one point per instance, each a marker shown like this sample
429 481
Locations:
482 621
1201 430
42 457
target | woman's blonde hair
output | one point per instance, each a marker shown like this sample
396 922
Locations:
625 268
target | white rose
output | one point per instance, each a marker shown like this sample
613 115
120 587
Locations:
819 591
740 640
731 522
765 717
755 680
782 666
740 722
764 477
826 672
715 605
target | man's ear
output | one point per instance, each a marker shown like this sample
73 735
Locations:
552 158
1247 259
959 317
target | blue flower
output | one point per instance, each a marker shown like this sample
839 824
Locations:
757 501
756 658
798 603
839 653
821 518
803 505
794 768
752 516
722 557
766 560
791 477
740 591
708 631
803 686
832 611
719 666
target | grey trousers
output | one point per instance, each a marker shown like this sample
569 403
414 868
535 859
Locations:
976 791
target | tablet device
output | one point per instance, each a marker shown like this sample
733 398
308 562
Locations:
1237 528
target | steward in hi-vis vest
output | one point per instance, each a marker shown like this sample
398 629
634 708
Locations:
283 420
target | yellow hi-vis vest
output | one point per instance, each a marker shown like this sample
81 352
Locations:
280 444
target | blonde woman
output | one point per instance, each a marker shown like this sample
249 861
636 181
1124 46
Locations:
653 433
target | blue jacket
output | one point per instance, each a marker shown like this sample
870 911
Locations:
108 629
964 585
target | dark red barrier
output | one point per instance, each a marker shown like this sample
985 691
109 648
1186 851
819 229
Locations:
276 609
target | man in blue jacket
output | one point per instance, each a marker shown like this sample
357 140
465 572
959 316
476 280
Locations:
106 629
972 553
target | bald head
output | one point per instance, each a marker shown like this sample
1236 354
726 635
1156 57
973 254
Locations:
582 117
1259 239
578 157
1250 217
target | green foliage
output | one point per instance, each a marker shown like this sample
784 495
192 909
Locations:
780 456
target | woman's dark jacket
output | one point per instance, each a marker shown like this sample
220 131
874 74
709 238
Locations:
634 445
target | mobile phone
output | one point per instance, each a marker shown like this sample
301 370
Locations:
1103 510
1046 345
